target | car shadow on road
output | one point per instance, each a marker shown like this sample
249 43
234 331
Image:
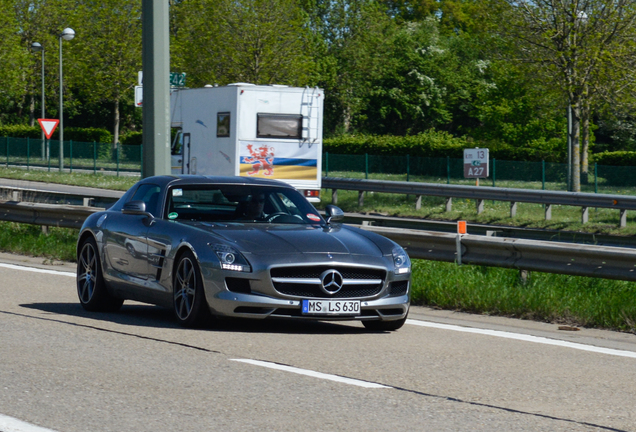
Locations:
142 315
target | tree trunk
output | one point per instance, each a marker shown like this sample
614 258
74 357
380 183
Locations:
32 111
585 140
116 119
576 147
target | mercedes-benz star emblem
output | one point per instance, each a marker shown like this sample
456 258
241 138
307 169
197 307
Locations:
332 281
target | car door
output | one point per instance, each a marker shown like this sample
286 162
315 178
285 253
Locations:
126 242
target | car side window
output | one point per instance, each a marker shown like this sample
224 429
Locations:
149 193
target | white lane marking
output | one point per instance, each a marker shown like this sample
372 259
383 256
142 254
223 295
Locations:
525 338
10 424
37 270
311 373
507 335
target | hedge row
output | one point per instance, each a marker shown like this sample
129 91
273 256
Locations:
434 143
70 133
617 158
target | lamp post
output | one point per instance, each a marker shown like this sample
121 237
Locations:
67 34
36 47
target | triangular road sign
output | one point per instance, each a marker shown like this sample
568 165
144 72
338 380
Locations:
48 126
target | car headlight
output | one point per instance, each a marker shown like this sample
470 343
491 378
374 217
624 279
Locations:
401 261
231 259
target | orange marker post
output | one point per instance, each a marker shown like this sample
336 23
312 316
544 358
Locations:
461 227
461 230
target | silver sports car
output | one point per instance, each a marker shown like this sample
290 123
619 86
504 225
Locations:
238 247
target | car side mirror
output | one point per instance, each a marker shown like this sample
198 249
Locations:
333 214
135 208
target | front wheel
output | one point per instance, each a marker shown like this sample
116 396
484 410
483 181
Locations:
190 307
91 288
384 325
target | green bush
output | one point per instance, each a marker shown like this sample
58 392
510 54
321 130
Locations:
617 158
20 131
70 133
131 138
434 143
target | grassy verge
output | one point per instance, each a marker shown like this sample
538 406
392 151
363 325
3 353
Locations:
58 244
77 179
574 300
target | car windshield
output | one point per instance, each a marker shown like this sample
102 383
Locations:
240 203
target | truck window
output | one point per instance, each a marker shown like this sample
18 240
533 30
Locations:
177 142
279 126
223 124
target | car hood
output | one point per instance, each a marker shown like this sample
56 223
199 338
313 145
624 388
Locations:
293 239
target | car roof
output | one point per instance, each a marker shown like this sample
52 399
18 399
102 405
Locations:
183 180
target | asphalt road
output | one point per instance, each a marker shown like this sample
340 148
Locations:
64 369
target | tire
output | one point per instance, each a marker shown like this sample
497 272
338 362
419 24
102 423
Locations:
91 288
384 325
190 306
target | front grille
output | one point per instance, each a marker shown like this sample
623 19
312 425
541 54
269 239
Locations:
375 277
398 288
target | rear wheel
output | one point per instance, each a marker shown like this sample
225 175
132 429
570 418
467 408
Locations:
384 325
91 288
190 306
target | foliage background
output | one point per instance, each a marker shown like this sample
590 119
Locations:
442 74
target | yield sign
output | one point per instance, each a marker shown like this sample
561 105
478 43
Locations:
48 126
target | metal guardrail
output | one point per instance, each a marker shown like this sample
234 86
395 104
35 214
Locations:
482 193
563 258
65 216
551 257
103 199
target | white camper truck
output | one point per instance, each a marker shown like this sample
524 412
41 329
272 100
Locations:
252 131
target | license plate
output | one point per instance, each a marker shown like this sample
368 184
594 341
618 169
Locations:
331 307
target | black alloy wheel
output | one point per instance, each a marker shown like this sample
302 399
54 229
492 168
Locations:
91 288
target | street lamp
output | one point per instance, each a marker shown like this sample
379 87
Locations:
67 34
35 47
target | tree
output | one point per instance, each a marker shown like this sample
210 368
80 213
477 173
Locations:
356 38
570 42
256 41
107 53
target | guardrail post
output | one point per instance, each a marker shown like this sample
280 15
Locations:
480 206
45 230
334 196
623 219
87 202
360 198
548 211
418 202
513 209
585 215
449 204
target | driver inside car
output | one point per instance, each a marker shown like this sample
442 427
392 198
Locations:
252 209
